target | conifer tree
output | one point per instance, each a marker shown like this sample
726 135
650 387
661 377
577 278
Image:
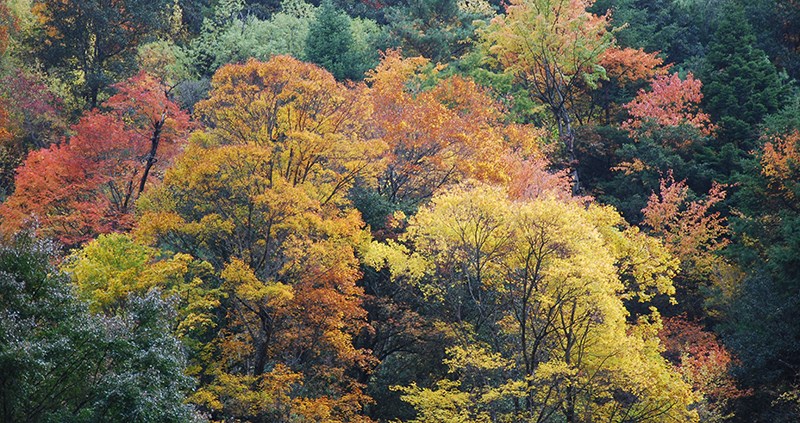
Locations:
741 85
330 42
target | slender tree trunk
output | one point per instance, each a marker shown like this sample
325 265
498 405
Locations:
151 156
567 135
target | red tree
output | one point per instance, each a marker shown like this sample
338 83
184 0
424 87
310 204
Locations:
671 102
87 185
704 362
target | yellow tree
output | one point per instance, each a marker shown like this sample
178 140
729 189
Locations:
554 49
532 292
113 267
259 195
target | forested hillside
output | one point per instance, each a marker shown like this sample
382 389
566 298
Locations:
400 211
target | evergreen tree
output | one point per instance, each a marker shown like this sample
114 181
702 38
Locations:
741 85
330 42
759 322
440 30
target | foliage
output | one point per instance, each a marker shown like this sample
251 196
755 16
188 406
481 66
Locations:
671 102
30 118
441 135
8 24
679 30
61 363
258 196
705 363
113 268
87 184
89 42
330 42
689 229
766 244
482 152
285 32
439 30
742 85
532 293
553 48
307 124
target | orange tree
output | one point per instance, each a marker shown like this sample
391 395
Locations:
438 131
260 196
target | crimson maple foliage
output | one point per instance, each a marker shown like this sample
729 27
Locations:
87 185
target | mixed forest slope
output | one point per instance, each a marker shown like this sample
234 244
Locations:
399 210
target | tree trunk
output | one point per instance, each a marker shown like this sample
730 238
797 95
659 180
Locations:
151 156
567 135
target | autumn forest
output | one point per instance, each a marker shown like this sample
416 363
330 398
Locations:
496 211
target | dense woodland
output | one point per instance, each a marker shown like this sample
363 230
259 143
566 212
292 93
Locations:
399 211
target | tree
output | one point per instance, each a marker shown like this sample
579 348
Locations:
695 235
111 269
741 85
689 229
532 296
765 243
779 162
439 135
8 24
89 42
30 118
345 47
87 185
626 70
705 363
672 102
330 42
260 195
439 30
552 47
680 31
287 269
60 363
309 123
777 22
243 37
667 131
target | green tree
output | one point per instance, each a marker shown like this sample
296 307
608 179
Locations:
236 38
679 30
61 363
439 30
778 22
741 85
90 43
330 42
766 242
